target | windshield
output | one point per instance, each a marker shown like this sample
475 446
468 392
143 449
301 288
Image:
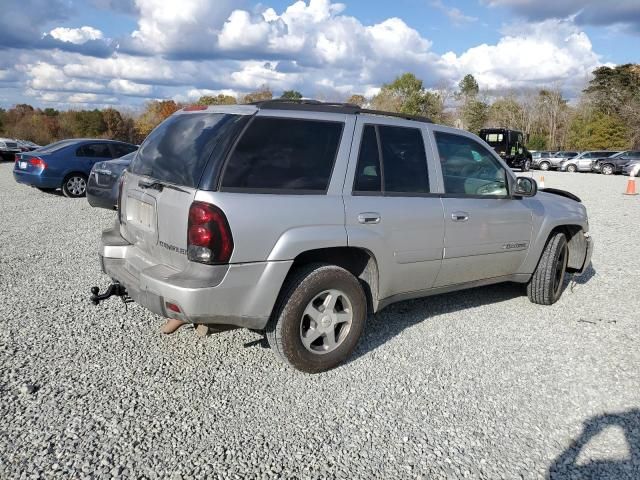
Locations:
177 151
494 138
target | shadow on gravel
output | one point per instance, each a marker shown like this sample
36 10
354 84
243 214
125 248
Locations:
585 276
380 328
566 466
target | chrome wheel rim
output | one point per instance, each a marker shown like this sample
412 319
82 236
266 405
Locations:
607 170
571 168
76 186
544 166
326 322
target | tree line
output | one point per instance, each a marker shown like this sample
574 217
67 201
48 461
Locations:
605 116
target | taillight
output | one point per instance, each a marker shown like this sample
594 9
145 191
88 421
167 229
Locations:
119 205
37 162
209 238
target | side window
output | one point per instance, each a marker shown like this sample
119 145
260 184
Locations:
120 149
468 168
284 154
368 173
404 160
94 150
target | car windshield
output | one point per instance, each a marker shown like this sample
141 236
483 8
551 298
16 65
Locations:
494 139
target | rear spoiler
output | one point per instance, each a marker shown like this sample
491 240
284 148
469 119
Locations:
562 193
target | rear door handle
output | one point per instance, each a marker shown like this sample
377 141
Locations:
459 216
369 217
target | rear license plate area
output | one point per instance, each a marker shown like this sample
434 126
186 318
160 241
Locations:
140 213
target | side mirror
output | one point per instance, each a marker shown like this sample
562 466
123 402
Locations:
525 187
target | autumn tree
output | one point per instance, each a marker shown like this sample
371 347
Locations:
154 113
357 99
262 94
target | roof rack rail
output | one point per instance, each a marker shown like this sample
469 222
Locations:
310 105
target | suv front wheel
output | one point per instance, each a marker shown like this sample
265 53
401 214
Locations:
318 319
547 282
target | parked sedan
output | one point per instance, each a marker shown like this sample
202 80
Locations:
8 149
615 163
554 161
584 161
632 169
66 164
102 188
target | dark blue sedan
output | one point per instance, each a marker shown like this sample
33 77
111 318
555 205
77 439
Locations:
102 189
66 164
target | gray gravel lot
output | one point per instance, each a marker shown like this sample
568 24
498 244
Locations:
477 384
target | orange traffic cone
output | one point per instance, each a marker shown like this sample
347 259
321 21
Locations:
541 182
631 187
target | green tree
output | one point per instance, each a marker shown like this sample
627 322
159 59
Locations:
291 95
220 99
474 115
406 94
598 131
469 87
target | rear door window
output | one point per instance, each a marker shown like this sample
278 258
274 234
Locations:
178 150
94 150
283 154
391 160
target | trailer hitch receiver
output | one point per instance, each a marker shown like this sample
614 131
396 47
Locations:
113 289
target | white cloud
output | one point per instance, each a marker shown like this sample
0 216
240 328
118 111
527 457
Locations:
553 51
76 35
127 87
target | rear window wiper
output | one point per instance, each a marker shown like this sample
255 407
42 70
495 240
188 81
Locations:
158 185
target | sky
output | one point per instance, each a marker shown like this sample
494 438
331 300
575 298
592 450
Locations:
123 53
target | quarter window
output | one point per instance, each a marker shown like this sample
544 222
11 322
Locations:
284 154
468 168
391 160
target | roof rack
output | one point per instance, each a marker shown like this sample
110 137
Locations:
331 107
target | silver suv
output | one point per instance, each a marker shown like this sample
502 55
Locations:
299 218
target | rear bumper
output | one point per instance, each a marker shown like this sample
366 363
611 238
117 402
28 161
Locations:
101 197
242 295
36 180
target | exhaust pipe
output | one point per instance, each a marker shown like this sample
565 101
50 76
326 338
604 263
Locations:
113 289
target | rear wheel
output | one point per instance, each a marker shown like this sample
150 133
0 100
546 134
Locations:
571 168
75 185
526 166
545 166
319 318
545 286
607 169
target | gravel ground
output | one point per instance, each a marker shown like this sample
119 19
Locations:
476 384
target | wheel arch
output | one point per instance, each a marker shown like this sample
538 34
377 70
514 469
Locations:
576 243
360 262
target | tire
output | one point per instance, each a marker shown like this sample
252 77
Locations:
545 166
607 169
571 169
546 284
299 315
526 165
75 185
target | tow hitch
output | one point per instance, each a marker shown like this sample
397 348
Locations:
113 289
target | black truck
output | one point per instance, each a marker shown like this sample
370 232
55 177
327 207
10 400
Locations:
509 144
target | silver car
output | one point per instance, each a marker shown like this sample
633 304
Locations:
584 161
554 160
298 219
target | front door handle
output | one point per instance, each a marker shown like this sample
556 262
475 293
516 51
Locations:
369 217
459 216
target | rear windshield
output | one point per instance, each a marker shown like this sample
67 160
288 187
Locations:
177 151
52 147
494 138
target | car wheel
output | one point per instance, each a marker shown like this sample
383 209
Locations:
571 169
607 169
319 318
526 166
545 166
75 186
546 284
